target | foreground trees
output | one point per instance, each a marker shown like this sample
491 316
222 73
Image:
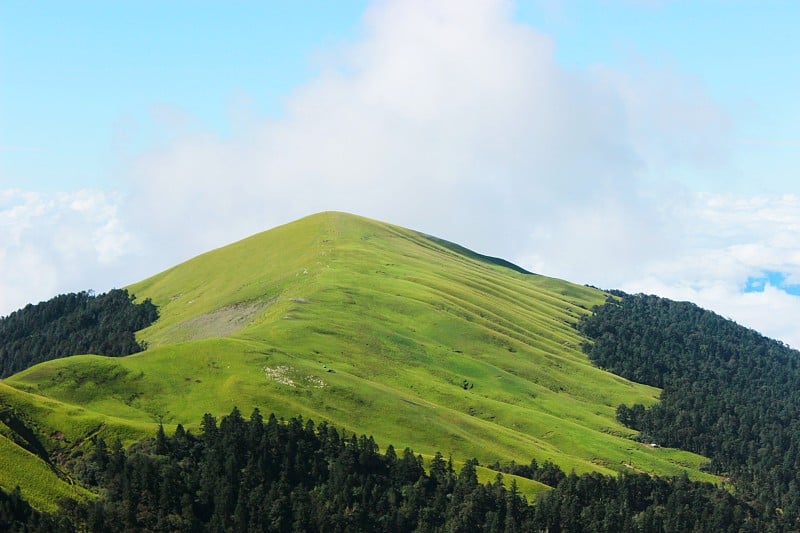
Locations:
251 475
248 474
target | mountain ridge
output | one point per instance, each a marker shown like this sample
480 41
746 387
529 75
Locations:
377 329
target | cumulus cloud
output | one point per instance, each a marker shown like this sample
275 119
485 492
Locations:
52 243
452 118
729 240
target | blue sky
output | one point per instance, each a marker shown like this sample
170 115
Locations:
74 74
744 53
774 279
645 145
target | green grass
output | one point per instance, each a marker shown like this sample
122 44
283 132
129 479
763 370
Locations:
375 329
57 427
41 487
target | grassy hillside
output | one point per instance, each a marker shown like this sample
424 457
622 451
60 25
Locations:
34 434
379 330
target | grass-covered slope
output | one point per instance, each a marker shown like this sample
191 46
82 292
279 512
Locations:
379 330
36 435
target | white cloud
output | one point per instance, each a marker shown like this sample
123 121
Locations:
451 118
53 243
727 240
704 248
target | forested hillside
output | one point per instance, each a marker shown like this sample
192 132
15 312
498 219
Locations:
728 392
71 324
252 475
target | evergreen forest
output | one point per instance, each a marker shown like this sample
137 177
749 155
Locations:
72 324
256 475
729 393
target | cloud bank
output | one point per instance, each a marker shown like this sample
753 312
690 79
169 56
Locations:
730 241
55 243
452 118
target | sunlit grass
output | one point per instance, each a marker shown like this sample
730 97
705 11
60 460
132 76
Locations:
378 330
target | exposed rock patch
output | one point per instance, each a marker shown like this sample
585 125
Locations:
222 322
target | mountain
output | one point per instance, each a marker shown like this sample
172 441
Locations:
377 329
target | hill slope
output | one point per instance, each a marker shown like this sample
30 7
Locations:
379 330
729 393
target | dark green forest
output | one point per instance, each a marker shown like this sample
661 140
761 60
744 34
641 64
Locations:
255 475
729 393
71 324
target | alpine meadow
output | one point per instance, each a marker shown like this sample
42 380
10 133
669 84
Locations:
378 331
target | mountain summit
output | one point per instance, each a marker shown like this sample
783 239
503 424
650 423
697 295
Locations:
375 328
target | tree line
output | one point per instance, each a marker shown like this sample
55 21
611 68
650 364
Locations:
729 393
71 324
251 474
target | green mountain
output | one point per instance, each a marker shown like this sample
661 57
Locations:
377 329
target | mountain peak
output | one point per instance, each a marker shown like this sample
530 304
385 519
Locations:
377 329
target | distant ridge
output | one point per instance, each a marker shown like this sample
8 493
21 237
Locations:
480 257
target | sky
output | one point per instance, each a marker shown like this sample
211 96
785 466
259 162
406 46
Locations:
650 146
